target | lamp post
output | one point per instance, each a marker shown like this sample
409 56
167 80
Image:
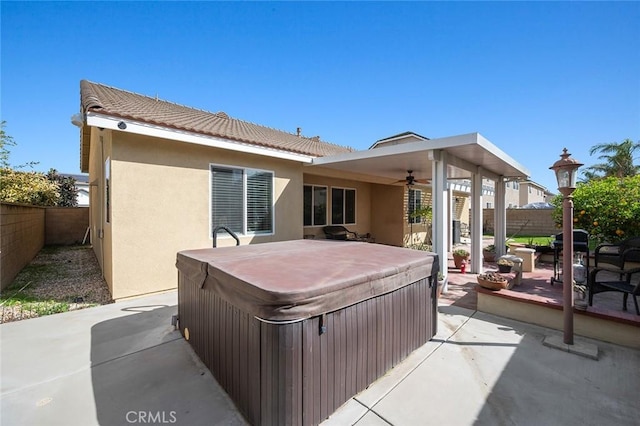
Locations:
566 170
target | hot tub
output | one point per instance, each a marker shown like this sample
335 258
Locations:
292 330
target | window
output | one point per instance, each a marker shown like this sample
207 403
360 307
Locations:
414 203
107 190
343 206
242 199
315 205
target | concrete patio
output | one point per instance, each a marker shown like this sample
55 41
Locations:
124 363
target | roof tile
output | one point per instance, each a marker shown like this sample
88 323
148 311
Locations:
120 103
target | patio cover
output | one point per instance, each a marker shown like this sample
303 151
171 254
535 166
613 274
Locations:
468 156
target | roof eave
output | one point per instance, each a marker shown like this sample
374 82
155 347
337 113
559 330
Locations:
120 124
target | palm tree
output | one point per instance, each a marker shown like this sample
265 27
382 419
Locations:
618 160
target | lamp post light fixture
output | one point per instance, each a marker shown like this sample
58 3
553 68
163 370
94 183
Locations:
566 170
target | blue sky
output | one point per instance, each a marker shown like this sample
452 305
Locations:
530 77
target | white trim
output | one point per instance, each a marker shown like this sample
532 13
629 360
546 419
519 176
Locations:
440 208
408 218
140 128
446 144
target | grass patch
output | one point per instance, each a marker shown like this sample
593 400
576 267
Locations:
531 240
58 279
38 273
34 305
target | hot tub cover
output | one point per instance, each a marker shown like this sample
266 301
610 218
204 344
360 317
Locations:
295 280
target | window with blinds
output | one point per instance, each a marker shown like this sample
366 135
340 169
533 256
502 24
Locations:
242 199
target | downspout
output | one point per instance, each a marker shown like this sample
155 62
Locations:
102 205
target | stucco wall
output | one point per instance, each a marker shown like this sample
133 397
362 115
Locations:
533 222
160 204
363 201
388 214
23 235
100 232
66 225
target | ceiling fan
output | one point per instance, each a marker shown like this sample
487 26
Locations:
410 179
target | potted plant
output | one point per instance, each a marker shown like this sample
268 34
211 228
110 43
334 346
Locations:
489 253
460 255
492 281
441 283
505 265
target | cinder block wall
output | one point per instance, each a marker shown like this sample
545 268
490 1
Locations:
533 222
22 236
66 225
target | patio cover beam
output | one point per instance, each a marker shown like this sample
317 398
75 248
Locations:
500 217
476 227
440 209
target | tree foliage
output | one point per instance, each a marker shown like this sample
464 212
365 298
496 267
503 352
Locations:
66 189
6 142
607 208
32 188
617 159
27 188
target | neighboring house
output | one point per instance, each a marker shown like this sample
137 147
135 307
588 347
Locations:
163 176
82 188
532 192
518 193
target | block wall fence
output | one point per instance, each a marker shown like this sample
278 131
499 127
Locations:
24 230
532 222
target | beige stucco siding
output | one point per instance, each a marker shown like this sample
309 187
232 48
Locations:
100 150
388 214
160 205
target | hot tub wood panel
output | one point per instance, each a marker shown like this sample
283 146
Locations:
279 374
281 370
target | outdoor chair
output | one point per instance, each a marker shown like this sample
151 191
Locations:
626 282
619 254
339 232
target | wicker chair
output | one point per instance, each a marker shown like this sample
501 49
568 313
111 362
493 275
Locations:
626 282
617 268
618 254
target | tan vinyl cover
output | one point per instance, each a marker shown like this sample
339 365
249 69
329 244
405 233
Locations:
295 280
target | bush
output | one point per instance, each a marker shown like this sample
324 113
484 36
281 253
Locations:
27 188
609 208
66 189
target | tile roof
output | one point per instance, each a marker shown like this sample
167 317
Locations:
110 101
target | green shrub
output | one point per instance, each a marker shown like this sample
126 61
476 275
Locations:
27 188
609 208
